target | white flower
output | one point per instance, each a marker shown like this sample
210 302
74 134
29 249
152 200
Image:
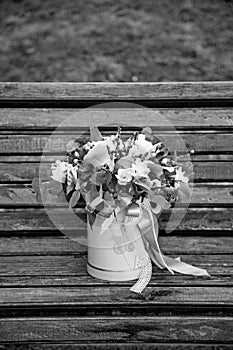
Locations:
171 169
99 155
89 145
143 145
164 161
125 175
134 151
59 171
141 168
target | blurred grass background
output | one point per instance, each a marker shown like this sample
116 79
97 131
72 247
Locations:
107 40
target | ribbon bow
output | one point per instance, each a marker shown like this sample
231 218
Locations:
148 226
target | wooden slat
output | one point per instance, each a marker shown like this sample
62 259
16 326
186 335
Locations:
51 270
62 245
51 118
210 194
55 246
117 91
119 329
106 295
26 171
197 142
146 329
42 265
206 219
159 279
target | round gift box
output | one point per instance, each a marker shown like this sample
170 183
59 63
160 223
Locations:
114 254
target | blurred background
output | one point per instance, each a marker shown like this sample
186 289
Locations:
107 40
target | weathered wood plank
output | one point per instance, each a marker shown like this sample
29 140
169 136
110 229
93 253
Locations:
71 270
178 90
62 245
159 279
51 118
26 171
105 295
196 142
205 219
43 265
20 194
119 329
117 91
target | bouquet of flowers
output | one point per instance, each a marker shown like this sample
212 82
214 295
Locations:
125 182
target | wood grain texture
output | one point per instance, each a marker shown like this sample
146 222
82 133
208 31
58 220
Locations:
106 295
205 219
195 142
159 279
51 118
74 345
118 91
36 271
206 194
43 277
62 245
143 329
26 171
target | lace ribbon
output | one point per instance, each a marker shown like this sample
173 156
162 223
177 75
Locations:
144 276
148 226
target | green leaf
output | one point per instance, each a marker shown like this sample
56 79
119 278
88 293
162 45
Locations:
61 197
148 133
85 170
54 187
102 177
90 218
38 197
160 200
69 188
95 134
147 130
40 189
156 170
124 162
143 183
36 184
108 197
74 199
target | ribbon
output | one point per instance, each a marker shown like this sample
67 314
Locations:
148 226
144 276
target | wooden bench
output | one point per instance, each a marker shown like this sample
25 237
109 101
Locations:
47 300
